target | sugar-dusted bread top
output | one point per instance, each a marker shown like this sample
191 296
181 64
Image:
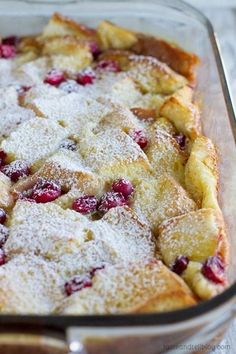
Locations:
108 187
29 285
140 287
34 140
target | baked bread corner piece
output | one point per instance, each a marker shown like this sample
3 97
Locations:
201 173
60 25
180 110
202 287
178 59
115 37
196 235
151 75
140 287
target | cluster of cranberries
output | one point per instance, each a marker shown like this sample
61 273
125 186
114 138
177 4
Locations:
4 233
59 78
213 268
14 170
44 191
80 282
119 195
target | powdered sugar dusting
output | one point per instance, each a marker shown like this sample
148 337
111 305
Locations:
74 132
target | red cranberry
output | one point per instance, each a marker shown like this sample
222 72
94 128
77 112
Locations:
95 269
95 50
54 77
7 51
214 269
45 191
16 170
69 86
45 196
180 264
3 216
180 139
111 200
139 137
11 40
2 257
109 65
123 186
85 204
77 283
86 77
4 233
3 157
68 144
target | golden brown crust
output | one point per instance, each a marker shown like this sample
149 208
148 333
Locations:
197 235
62 25
201 173
144 113
179 60
112 36
180 110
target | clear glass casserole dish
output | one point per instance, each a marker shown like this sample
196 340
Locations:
189 330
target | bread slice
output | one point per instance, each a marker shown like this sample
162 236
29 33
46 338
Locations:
9 97
156 200
139 287
112 154
119 237
202 287
70 171
120 117
113 36
34 140
164 155
29 285
60 25
196 235
150 74
180 110
45 229
73 111
201 173
67 53
12 117
33 72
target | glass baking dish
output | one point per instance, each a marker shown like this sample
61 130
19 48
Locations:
189 330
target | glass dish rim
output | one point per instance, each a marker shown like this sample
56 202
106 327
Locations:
144 319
